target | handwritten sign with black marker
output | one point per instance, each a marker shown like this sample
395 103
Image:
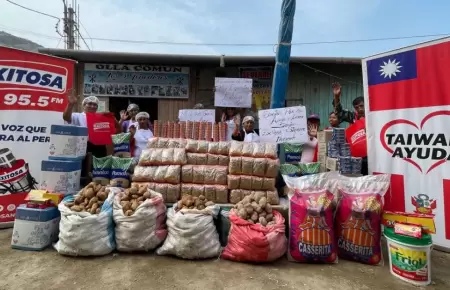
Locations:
285 125
233 92
197 115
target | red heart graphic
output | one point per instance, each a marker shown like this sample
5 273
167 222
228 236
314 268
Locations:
407 122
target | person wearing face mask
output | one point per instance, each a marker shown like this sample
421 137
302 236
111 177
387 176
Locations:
140 133
247 133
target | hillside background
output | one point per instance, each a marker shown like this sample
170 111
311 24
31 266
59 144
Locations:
10 40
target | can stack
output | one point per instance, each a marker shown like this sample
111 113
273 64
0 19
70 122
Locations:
356 165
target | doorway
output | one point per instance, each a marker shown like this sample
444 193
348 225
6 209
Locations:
149 105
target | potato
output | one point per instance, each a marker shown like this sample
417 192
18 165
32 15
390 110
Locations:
91 185
179 204
242 213
209 203
86 200
76 208
268 208
135 196
147 195
92 201
272 223
259 209
197 202
82 206
249 209
239 206
89 193
134 190
263 214
97 211
123 203
94 207
263 221
69 204
246 200
202 197
134 205
254 217
263 201
259 195
129 212
78 200
140 199
269 217
201 207
92 210
126 206
107 190
101 195
142 190
189 202
97 187
254 205
125 198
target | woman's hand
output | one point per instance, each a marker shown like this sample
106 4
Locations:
336 92
237 120
312 130
72 97
223 118
123 116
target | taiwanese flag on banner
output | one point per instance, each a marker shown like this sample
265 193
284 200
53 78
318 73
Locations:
420 76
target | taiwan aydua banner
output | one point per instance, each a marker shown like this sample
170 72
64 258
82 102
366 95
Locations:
33 95
407 95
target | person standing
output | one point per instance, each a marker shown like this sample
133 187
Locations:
310 148
247 133
333 120
128 118
140 133
251 113
356 133
233 120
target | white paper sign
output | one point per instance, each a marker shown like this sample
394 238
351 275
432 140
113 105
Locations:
285 125
233 92
197 115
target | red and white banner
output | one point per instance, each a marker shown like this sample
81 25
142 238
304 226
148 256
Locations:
407 98
33 95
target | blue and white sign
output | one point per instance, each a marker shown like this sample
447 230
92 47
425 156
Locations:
145 81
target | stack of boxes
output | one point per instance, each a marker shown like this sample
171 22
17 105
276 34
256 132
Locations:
323 137
339 156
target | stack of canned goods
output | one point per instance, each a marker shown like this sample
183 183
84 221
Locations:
345 164
338 135
344 150
333 149
356 165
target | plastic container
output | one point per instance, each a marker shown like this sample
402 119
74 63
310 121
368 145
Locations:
409 258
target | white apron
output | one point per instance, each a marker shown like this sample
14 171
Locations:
251 137
140 141
231 125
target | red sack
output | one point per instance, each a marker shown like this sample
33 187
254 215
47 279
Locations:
100 127
249 242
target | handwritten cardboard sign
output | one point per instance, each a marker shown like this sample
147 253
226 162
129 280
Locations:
197 115
233 92
285 125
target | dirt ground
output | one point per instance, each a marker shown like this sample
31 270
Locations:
48 269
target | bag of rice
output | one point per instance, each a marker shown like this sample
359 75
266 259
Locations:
153 142
235 166
247 165
224 160
173 193
247 149
259 150
121 144
213 159
167 156
257 183
220 175
224 147
173 173
191 146
271 151
259 167
144 173
273 166
213 148
236 148
272 197
202 147
221 194
197 190
246 182
101 169
176 143
163 143
179 156
187 173
186 189
358 218
198 175
293 152
234 181
268 184
120 172
210 192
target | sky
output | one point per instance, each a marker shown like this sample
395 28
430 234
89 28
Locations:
204 22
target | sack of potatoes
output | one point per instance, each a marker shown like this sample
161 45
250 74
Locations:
89 199
255 209
193 202
134 197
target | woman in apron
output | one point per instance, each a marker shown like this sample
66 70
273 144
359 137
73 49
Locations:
128 118
140 133
247 133
232 118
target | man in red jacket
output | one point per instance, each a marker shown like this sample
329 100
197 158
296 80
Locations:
356 132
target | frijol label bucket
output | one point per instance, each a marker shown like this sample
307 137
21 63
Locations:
409 257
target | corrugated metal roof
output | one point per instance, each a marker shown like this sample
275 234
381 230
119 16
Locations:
175 59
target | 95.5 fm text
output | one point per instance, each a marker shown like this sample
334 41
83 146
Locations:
30 100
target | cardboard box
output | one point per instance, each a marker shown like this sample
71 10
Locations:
324 136
322 148
332 164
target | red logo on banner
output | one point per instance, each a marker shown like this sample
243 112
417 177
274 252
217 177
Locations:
415 151
423 204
